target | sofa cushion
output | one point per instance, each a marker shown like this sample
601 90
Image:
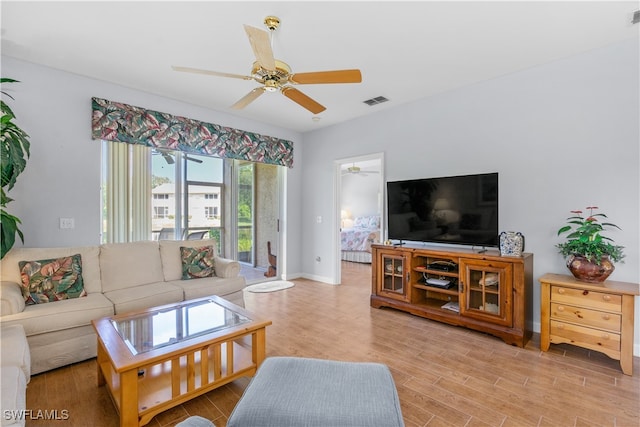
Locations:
197 262
65 314
210 286
144 296
10 270
170 255
51 280
125 265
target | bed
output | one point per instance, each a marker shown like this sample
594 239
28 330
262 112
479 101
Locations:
355 241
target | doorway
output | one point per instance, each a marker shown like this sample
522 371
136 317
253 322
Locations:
257 219
359 203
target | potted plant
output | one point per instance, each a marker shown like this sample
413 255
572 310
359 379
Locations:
14 153
589 254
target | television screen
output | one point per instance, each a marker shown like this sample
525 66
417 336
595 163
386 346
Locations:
455 209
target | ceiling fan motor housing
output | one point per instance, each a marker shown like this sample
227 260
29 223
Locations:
272 79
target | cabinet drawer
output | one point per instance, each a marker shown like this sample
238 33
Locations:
586 317
585 298
583 336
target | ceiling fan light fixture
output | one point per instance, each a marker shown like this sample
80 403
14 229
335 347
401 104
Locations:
271 85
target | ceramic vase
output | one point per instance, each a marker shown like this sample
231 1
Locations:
511 243
587 271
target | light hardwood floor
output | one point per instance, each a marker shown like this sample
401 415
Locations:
445 376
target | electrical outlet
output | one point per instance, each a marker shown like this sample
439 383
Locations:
67 223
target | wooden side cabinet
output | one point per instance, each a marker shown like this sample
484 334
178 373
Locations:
596 316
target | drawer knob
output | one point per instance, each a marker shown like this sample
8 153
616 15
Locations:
606 297
560 308
585 292
561 291
560 326
606 317
605 336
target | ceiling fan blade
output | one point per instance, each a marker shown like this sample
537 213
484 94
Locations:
210 73
261 46
303 100
337 76
168 157
248 98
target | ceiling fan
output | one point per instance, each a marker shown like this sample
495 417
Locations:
276 75
169 156
356 170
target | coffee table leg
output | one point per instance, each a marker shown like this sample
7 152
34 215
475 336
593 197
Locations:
100 359
259 346
129 398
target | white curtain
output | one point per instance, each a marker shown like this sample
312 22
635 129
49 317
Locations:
128 192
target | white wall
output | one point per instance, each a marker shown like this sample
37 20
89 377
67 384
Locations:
360 194
62 177
562 136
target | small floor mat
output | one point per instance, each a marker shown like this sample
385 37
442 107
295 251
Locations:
276 285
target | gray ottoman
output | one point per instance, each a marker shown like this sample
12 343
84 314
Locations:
297 392
195 421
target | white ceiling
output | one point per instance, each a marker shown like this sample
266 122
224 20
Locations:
405 50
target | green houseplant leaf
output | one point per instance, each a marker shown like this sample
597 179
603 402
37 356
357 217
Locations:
14 151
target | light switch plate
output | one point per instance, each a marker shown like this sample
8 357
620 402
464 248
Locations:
67 223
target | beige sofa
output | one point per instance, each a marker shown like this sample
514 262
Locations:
15 373
118 278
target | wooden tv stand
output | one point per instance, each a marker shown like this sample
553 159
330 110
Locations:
485 291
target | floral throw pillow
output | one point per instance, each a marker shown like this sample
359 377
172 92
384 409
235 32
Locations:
52 280
197 262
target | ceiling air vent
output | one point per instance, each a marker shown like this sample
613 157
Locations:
636 17
374 101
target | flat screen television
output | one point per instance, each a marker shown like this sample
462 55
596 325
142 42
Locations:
455 209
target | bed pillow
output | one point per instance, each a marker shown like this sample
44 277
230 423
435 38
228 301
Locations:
361 222
50 280
197 262
374 221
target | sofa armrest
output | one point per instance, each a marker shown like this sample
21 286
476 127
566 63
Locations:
226 267
11 299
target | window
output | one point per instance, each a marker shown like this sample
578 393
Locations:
160 212
147 192
211 212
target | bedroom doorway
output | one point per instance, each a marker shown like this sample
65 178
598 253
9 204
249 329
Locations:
359 209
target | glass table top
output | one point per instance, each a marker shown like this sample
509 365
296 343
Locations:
159 328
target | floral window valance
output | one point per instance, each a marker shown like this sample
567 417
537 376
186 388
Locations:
115 121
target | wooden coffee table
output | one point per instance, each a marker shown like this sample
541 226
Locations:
152 360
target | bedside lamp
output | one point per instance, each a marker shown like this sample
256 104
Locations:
345 218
